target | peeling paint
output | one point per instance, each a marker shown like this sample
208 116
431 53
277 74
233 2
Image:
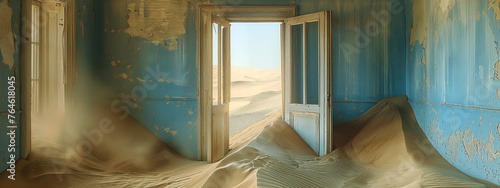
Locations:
123 75
496 43
163 24
498 131
7 37
167 130
495 5
163 80
497 70
113 63
418 30
472 145
128 68
173 132
156 127
190 112
445 5
427 84
139 79
140 47
453 141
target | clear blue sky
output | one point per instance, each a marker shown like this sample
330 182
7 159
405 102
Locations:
256 45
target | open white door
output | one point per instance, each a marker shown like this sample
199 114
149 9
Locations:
221 82
308 79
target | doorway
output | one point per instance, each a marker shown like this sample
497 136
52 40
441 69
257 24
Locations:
48 58
255 73
310 118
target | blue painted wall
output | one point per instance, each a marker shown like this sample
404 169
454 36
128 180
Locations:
453 86
85 56
158 86
6 71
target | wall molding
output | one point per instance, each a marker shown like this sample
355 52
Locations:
457 105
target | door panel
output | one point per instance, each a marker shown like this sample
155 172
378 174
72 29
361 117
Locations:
307 82
221 89
302 124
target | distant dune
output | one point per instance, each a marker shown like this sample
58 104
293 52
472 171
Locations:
254 94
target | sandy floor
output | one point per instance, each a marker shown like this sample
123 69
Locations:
384 147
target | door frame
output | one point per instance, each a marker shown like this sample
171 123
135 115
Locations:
204 56
69 66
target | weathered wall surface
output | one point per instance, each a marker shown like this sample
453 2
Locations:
453 80
10 47
86 42
369 62
148 57
152 67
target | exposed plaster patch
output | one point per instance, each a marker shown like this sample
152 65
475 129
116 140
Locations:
436 132
498 131
163 24
128 68
156 127
495 5
472 145
123 75
453 141
7 37
496 43
140 47
427 84
496 68
446 6
163 80
139 79
419 27
190 112
113 63
171 132
422 61
137 106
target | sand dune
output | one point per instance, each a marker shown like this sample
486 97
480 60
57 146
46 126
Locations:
254 94
384 147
